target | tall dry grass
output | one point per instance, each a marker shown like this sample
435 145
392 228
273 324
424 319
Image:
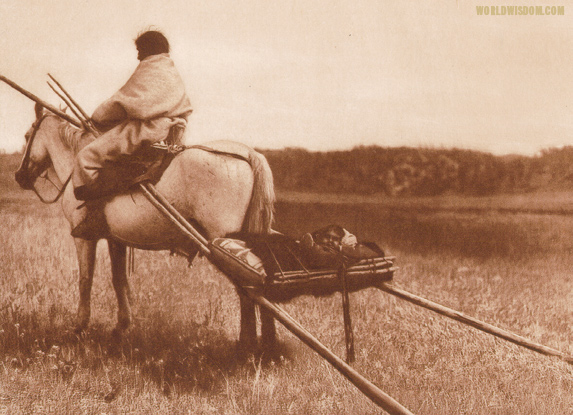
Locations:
179 357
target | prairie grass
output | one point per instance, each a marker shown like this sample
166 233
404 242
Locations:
512 270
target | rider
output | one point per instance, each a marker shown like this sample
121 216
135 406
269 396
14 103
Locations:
141 113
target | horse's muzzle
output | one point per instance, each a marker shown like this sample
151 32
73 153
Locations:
24 180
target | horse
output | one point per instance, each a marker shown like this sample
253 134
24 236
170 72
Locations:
222 195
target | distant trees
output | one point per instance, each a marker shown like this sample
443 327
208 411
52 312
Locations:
418 171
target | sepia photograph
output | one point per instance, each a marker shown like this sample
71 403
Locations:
321 207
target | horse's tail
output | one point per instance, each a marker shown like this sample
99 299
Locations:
260 213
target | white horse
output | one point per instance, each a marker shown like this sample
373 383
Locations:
221 194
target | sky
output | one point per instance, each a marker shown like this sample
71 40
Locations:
316 74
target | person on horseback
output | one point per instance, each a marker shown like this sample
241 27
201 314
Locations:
151 107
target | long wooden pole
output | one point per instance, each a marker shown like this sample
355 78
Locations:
380 398
75 107
34 98
196 236
364 385
319 273
70 105
473 322
86 117
149 192
348 332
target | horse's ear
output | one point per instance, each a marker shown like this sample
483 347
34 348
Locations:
39 110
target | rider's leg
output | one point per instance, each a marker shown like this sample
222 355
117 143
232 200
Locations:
90 161
89 221
115 145
90 175
88 218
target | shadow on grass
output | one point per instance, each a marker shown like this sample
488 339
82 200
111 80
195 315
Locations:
174 355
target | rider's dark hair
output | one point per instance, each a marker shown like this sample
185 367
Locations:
152 42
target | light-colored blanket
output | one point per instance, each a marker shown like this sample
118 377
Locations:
142 112
154 90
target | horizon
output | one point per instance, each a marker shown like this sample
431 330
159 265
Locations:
349 149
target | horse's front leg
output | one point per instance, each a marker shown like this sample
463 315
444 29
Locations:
117 253
86 251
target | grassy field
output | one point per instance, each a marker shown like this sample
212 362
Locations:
511 268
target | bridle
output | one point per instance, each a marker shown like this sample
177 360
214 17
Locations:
22 174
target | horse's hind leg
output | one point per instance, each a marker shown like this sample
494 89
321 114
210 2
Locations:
248 333
117 253
86 251
268 333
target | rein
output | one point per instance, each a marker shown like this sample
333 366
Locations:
58 196
27 150
26 160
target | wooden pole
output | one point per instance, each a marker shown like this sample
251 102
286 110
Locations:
197 237
348 332
364 385
367 267
34 98
383 400
470 321
377 396
85 116
69 104
146 189
75 107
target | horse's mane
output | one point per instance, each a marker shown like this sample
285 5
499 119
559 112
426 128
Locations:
74 138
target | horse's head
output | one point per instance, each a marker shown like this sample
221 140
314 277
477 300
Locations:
36 158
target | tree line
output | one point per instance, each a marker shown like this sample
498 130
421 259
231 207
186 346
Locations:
404 171
419 171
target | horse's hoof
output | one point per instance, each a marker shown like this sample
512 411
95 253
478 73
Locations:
276 353
274 359
123 323
117 334
79 330
81 321
245 353
116 341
